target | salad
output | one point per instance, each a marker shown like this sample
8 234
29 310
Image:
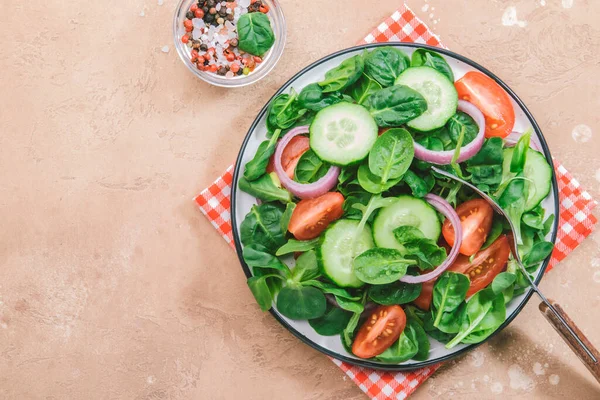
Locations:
356 234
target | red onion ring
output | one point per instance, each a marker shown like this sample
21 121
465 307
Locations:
466 152
445 208
512 139
303 190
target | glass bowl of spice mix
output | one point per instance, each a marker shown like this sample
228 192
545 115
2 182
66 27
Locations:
229 43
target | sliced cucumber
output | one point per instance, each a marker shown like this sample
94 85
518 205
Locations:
406 211
336 253
343 133
538 173
439 92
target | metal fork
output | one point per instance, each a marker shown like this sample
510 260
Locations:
555 314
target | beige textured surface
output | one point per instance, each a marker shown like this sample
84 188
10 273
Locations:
113 286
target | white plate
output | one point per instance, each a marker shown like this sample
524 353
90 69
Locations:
242 202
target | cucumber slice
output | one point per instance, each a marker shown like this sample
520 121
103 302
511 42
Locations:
406 211
439 92
537 171
336 253
343 133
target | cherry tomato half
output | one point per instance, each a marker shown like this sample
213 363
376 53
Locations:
476 219
379 331
481 271
491 99
291 155
312 216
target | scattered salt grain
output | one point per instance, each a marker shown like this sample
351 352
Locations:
546 365
519 379
198 23
161 2
596 262
581 133
165 49
477 358
567 3
243 3
431 15
554 379
497 388
196 34
538 369
218 7
228 11
596 277
229 74
509 18
142 13
425 8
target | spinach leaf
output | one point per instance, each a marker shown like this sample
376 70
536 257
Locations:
417 185
258 257
363 89
373 183
512 200
374 203
425 319
548 225
385 64
287 216
350 212
405 348
431 59
344 75
347 174
257 167
485 167
379 266
261 291
504 283
306 268
310 168
484 313
425 252
284 111
495 232
538 253
459 123
535 218
332 323
303 302
348 332
422 341
262 226
266 188
394 293
312 98
293 246
391 154
449 291
329 288
255 34
517 162
349 305
396 105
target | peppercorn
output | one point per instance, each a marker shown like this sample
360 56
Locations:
203 47
223 11
205 9
209 18
230 17
211 3
220 21
233 42
221 71
195 44
189 15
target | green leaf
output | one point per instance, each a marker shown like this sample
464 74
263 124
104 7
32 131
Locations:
431 59
380 266
257 256
304 302
517 162
538 253
449 291
294 246
385 64
495 232
405 348
310 168
425 252
417 185
260 290
503 281
394 293
257 167
363 89
391 154
287 216
332 323
348 332
306 267
513 200
284 110
329 288
312 98
396 105
373 183
485 167
266 188
262 226
255 34
349 305
344 75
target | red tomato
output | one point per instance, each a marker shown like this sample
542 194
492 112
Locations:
312 216
485 266
476 219
291 155
491 99
379 331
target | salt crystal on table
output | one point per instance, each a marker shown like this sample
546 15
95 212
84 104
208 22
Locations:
160 2
165 49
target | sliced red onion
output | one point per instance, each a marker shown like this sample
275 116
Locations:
445 208
512 139
466 152
303 190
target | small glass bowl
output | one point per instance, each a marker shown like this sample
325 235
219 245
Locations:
275 14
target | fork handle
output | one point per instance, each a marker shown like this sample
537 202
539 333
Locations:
593 367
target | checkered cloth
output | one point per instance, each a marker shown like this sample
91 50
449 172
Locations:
575 224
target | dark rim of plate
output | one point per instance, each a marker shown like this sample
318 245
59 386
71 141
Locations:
367 363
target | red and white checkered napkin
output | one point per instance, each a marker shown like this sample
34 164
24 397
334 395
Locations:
575 224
